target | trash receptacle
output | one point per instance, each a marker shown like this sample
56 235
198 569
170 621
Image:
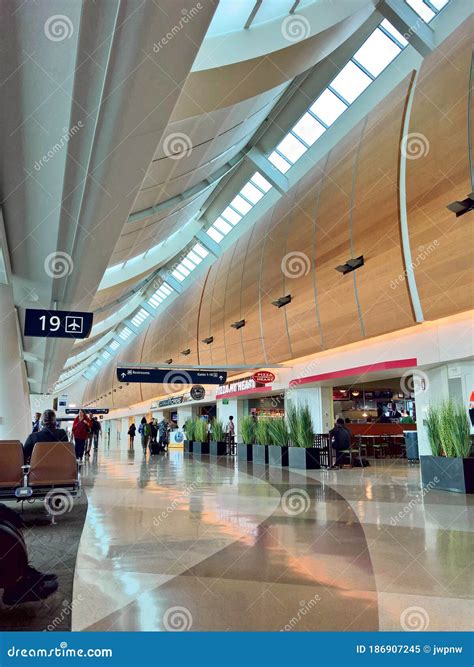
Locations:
411 444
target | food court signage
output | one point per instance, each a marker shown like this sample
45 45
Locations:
264 377
169 402
244 384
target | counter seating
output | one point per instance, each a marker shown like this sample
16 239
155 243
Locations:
52 466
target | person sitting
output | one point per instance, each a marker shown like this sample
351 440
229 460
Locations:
36 422
341 440
48 433
20 581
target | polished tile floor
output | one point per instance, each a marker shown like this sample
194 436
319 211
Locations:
181 543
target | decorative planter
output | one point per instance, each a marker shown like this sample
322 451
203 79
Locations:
188 446
244 452
200 447
217 448
445 473
260 453
304 457
278 456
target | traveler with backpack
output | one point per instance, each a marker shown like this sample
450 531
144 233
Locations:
131 434
144 430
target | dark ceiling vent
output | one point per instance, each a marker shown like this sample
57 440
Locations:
282 301
186 352
238 325
169 361
208 340
350 265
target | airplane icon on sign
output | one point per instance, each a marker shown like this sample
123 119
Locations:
74 325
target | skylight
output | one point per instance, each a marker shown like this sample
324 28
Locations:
125 333
159 296
427 9
140 317
114 345
251 193
189 262
378 51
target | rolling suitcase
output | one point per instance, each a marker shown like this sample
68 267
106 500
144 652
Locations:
154 448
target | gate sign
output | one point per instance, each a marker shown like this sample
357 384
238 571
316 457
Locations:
264 377
171 376
57 323
89 411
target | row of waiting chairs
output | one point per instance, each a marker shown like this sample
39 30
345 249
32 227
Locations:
53 470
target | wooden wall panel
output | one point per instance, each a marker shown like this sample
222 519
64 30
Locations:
441 176
298 267
233 337
130 354
336 297
254 351
383 297
218 353
204 329
272 284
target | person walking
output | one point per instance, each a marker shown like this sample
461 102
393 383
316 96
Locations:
81 429
131 434
144 431
163 429
230 430
96 432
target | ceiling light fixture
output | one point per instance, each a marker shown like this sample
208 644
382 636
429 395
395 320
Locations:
282 301
186 352
462 207
351 265
169 361
208 340
238 325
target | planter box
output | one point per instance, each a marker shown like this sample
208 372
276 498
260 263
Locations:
260 454
304 457
217 448
244 452
188 446
452 474
278 456
200 447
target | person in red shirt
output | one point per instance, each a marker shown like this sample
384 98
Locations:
81 429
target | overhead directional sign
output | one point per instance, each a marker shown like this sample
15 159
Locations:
170 376
57 324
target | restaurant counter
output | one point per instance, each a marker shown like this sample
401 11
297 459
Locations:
375 428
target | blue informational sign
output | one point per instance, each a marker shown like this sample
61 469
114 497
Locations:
89 411
57 324
170 376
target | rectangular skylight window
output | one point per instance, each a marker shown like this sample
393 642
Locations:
201 251
222 226
291 148
386 25
188 264
125 333
439 4
250 192
194 258
260 182
231 216
140 317
114 345
328 107
377 52
351 82
179 276
214 234
106 354
422 9
308 129
278 162
241 205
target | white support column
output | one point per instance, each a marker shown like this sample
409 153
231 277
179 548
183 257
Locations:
235 407
319 401
185 412
15 412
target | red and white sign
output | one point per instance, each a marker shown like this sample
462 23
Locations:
264 377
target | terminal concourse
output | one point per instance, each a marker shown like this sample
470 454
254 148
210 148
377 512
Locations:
236 309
